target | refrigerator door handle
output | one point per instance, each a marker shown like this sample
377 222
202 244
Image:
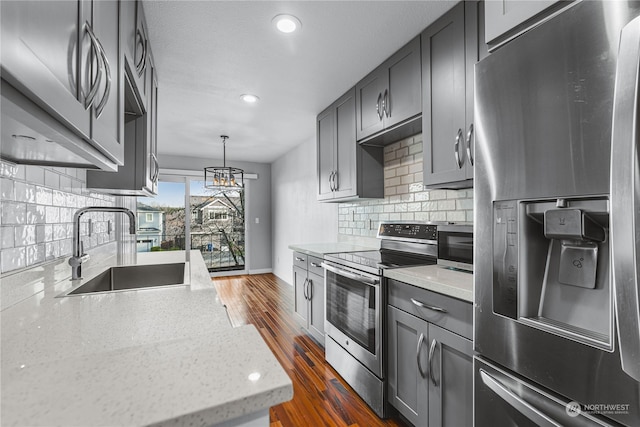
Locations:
516 402
625 199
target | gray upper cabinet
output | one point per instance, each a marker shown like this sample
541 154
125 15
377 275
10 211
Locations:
430 367
107 118
390 94
346 171
505 19
61 69
326 147
139 174
136 48
450 48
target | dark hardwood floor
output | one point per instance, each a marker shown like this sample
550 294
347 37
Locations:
320 395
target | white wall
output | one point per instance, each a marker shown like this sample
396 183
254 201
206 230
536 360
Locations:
297 216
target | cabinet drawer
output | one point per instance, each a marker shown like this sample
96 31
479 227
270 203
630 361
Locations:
457 315
314 265
300 260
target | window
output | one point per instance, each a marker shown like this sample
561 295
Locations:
149 217
218 215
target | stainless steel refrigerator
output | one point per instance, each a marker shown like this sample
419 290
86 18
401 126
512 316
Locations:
557 189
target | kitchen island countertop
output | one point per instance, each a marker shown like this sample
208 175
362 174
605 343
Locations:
436 278
165 356
320 249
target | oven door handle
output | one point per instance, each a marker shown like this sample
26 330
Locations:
350 275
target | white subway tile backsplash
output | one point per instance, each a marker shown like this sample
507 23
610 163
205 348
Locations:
416 148
13 259
456 216
58 198
25 235
24 192
59 231
404 195
52 250
44 196
14 213
34 174
38 205
438 194
35 214
52 214
438 216
446 205
35 254
8 170
7 237
7 189
51 179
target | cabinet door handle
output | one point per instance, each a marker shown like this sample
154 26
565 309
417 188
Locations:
331 181
107 88
469 136
313 264
378 109
299 259
432 350
142 64
456 149
154 177
310 291
88 100
304 289
385 103
430 307
336 183
418 351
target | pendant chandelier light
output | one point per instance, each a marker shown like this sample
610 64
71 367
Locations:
223 177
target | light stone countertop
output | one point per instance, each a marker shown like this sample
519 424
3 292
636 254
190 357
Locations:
457 284
320 249
164 356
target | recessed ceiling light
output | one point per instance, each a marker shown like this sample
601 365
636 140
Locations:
249 99
286 23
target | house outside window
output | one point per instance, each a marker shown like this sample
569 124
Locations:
149 217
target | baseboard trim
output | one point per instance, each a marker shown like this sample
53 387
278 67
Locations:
261 271
241 272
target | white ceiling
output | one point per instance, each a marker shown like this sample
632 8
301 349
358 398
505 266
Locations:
208 53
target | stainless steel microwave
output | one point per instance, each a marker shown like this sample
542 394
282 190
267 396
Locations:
455 246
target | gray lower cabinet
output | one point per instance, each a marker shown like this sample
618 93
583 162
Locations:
450 48
346 170
308 294
64 58
430 368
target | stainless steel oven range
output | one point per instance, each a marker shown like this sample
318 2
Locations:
356 304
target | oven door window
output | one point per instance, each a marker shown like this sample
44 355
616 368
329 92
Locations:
351 307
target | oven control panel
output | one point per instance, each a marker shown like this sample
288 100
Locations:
408 231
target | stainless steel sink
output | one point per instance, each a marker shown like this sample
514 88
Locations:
133 277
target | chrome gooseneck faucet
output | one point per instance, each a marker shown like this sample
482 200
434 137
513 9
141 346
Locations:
79 256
